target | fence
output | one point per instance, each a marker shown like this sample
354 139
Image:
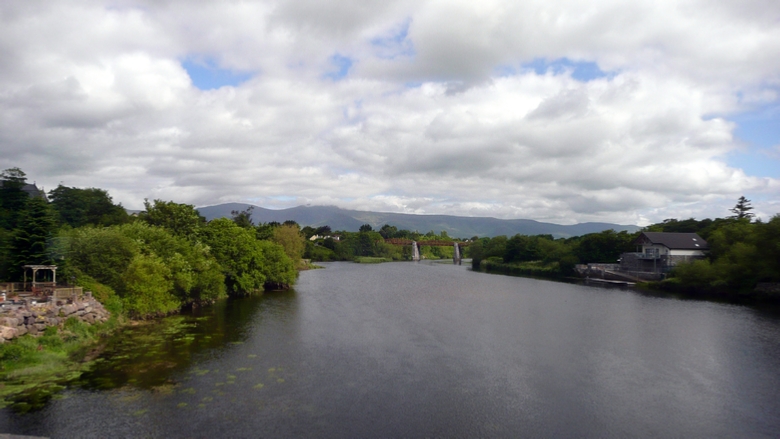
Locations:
40 290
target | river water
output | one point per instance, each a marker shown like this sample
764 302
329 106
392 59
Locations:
430 350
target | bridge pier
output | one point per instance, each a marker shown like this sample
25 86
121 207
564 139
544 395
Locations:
456 253
415 251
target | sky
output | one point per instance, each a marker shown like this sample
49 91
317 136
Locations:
555 110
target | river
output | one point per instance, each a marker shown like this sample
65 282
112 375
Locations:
430 350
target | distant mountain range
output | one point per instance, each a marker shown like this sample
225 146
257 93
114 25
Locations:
455 226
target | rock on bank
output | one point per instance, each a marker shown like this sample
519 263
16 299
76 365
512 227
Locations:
33 319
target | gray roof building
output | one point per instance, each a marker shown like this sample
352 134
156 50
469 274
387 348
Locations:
673 241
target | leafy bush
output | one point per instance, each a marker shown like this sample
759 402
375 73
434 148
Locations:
11 351
149 287
319 253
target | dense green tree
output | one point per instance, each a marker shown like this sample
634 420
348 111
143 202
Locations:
195 274
495 247
13 200
265 231
181 219
366 228
30 244
604 247
291 239
742 254
278 269
365 245
148 288
107 255
78 207
103 254
387 231
238 252
6 261
243 218
521 248
317 252
767 242
329 243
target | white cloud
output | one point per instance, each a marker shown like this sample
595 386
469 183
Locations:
94 94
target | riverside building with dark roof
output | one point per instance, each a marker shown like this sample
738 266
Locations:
33 191
659 252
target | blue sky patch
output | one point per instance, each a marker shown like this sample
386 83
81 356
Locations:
342 65
760 130
205 75
394 44
583 71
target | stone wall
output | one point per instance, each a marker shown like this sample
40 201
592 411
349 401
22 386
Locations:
17 320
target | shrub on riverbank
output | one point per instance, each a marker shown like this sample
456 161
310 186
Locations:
530 268
151 270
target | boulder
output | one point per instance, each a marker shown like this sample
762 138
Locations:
7 333
9 321
68 310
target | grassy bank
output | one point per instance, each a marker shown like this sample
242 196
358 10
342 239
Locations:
32 369
532 268
371 260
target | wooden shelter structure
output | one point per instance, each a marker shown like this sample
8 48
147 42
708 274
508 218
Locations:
37 285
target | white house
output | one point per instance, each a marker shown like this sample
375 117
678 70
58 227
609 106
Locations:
659 251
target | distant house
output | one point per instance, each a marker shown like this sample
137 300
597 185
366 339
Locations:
33 191
334 237
659 251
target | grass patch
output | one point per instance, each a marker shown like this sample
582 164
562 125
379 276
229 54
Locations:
33 369
371 260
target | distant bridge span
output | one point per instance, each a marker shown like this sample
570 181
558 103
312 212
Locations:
403 241
436 243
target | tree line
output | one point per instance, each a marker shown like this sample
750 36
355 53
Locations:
367 242
169 256
744 252
166 257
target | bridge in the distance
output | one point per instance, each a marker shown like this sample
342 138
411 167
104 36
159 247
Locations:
457 245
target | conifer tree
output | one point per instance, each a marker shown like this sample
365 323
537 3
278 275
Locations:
742 209
30 244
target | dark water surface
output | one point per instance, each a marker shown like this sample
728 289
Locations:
431 350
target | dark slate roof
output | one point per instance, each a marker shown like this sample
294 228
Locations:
33 191
676 241
30 189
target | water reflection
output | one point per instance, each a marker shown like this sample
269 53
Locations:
149 355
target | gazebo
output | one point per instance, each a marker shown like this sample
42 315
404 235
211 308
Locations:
35 269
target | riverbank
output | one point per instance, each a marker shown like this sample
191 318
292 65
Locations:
532 268
35 368
763 293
